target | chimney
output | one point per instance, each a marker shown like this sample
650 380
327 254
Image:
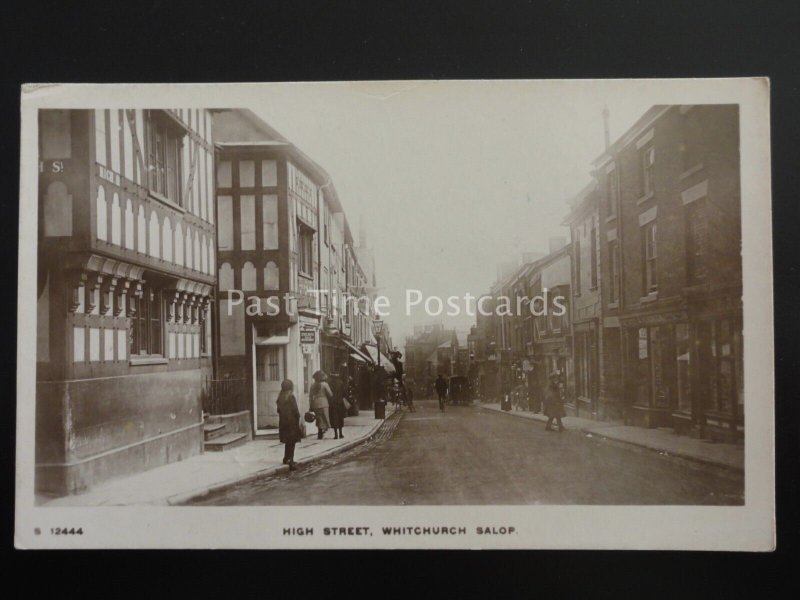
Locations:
606 130
556 243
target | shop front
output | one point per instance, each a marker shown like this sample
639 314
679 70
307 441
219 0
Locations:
712 401
656 367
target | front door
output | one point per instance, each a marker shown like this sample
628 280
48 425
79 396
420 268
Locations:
270 370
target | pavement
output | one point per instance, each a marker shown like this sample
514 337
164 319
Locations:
475 457
662 440
182 481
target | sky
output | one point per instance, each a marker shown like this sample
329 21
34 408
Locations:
450 178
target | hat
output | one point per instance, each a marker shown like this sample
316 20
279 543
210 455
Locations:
555 375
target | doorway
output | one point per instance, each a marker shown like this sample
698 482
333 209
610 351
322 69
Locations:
270 372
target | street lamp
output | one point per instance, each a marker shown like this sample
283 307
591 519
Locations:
379 405
377 329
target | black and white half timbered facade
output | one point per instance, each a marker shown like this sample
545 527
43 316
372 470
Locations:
126 273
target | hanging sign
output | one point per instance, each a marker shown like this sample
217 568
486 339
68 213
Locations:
308 336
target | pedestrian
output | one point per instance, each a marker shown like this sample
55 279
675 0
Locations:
289 428
553 405
441 390
320 395
337 407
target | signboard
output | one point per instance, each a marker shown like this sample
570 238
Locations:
308 336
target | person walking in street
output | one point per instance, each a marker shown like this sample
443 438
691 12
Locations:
320 395
553 405
289 428
337 408
441 390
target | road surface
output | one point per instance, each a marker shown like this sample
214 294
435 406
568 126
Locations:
469 456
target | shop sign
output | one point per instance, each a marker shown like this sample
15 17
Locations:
308 336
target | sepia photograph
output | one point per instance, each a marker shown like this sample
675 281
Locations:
396 314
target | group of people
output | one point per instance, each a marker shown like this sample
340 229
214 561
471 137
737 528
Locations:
328 403
552 403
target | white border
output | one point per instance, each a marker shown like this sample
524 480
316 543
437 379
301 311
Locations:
750 527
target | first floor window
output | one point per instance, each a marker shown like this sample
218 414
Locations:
306 248
164 149
613 267
650 255
146 323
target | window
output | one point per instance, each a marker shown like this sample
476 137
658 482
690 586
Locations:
697 241
650 256
577 267
648 160
612 193
146 327
593 258
306 249
164 148
205 331
247 223
613 275
225 223
269 205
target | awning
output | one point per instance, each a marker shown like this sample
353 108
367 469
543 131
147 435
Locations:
275 340
355 350
385 362
358 356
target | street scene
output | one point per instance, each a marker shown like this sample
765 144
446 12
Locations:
313 301
466 456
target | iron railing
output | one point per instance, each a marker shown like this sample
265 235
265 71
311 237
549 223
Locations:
223 396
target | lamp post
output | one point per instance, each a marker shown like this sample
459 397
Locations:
380 406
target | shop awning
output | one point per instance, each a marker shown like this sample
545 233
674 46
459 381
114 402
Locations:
275 340
385 362
358 356
355 350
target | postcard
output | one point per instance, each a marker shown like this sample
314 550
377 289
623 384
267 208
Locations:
396 314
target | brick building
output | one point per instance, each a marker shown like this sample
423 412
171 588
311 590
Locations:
670 255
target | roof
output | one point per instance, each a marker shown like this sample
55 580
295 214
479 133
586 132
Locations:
647 119
242 128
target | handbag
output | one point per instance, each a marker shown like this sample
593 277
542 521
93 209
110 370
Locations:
347 405
302 429
309 417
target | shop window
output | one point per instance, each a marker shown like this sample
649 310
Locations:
682 350
146 323
649 257
164 149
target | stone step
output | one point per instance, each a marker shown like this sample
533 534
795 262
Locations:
225 442
213 430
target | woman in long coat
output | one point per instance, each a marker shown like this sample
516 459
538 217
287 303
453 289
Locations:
320 396
336 409
289 432
553 405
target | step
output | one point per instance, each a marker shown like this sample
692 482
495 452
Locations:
225 442
213 430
